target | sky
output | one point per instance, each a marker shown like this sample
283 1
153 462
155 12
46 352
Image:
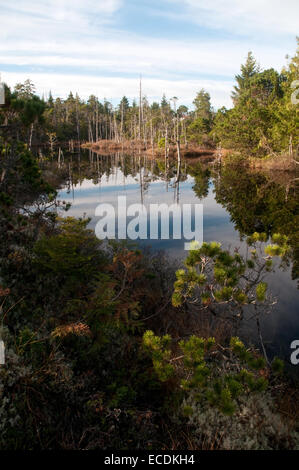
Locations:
101 47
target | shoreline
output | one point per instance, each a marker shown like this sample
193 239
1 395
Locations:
187 151
225 156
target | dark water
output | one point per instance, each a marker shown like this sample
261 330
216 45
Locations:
236 203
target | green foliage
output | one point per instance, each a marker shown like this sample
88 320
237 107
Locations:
203 374
161 143
214 275
159 347
201 180
265 211
263 120
261 290
198 130
277 365
73 252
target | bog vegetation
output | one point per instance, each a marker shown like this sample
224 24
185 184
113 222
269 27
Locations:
108 347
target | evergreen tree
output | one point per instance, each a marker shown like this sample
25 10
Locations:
164 102
202 104
248 70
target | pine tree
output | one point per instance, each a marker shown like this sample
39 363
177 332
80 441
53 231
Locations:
248 70
164 102
202 104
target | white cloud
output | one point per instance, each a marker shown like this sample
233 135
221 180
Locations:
272 16
129 54
63 45
37 20
61 9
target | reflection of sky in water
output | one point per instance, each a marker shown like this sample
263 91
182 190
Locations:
280 327
87 196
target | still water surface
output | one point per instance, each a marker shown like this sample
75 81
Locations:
235 203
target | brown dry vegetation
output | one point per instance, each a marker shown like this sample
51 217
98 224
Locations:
282 163
187 151
279 162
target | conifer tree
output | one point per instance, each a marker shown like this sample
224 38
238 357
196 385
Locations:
248 70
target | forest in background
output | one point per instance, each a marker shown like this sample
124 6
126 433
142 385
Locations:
263 120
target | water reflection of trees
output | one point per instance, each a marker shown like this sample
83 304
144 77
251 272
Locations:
258 203
144 169
201 177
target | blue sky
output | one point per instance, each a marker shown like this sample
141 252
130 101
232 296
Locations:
179 46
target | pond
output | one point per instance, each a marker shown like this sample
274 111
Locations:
236 202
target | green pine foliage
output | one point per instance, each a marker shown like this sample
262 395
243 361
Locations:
215 276
264 120
200 367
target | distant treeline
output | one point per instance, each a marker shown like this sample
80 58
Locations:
263 120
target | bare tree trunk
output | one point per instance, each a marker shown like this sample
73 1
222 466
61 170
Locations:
140 108
97 123
122 120
166 149
179 154
78 124
291 146
152 137
30 137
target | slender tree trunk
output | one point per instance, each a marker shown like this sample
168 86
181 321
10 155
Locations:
30 136
140 108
